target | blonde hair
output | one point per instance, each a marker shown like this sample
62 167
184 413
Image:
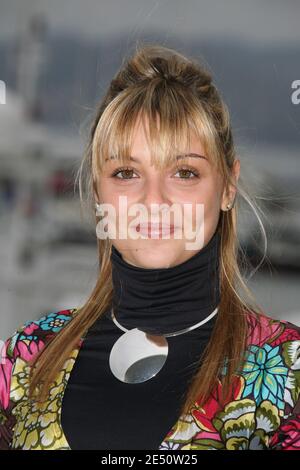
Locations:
159 81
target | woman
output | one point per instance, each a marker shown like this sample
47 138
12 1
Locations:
165 353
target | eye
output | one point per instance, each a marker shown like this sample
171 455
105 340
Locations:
187 170
125 170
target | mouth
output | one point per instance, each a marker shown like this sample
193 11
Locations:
155 229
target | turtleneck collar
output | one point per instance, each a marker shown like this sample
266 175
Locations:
166 300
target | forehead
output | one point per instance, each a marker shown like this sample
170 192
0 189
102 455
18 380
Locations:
140 134
162 144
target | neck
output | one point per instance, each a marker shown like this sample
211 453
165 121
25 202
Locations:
166 300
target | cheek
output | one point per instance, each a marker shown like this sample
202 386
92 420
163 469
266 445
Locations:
108 193
212 202
111 192
206 193
119 207
209 197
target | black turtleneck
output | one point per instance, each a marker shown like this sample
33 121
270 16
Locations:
101 412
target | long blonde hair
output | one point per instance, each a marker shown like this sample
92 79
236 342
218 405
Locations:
159 81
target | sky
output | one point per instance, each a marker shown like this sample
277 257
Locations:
256 20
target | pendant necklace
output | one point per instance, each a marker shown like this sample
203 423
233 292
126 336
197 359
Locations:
138 356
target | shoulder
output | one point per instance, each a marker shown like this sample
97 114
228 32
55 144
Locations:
272 365
26 342
274 345
272 377
264 329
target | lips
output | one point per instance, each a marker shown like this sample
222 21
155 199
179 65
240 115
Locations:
155 229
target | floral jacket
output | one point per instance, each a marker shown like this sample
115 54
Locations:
261 413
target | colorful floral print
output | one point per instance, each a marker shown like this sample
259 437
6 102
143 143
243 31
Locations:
265 374
38 428
261 411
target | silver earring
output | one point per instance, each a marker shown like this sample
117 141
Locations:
230 205
97 208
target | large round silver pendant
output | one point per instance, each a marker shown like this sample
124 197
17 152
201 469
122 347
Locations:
138 356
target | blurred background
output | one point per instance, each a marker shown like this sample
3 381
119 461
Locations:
56 60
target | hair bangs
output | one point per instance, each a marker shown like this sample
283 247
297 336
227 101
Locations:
168 119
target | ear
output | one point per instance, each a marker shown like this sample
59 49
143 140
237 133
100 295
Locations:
229 193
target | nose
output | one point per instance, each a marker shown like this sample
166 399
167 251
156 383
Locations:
154 192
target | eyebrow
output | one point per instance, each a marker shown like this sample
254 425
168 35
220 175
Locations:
178 157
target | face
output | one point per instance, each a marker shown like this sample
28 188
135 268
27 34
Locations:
194 181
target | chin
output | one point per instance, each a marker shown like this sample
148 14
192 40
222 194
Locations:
153 255
149 261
